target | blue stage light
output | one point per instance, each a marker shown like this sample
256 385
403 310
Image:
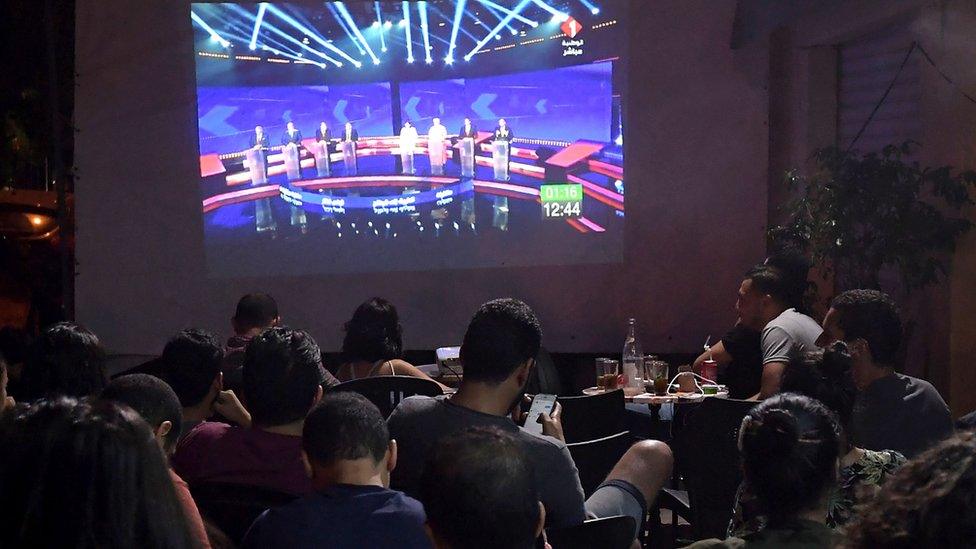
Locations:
402 23
406 28
512 14
352 24
422 7
301 28
458 13
213 34
375 24
590 6
378 23
388 25
257 25
501 24
557 16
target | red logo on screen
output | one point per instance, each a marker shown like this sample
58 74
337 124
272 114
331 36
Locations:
571 27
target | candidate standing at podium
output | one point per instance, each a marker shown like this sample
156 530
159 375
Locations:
257 159
349 138
436 136
292 141
322 160
466 147
408 142
501 149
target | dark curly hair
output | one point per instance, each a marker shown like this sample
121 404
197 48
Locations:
872 316
373 333
929 502
790 445
824 375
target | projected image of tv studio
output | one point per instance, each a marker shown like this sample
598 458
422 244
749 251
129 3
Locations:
372 136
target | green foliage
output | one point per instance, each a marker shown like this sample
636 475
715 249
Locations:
860 213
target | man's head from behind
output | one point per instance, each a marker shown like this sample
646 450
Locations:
764 293
346 437
154 400
868 321
479 492
282 375
500 344
254 313
66 359
191 365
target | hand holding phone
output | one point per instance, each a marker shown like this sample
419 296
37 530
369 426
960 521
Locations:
541 404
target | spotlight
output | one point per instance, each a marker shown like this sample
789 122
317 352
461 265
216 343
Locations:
514 32
402 23
387 25
376 61
383 49
253 47
595 11
214 38
449 60
410 60
429 60
499 37
375 24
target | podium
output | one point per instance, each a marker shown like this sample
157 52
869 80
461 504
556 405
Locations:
263 218
292 168
467 156
406 157
435 148
349 156
320 150
294 171
500 150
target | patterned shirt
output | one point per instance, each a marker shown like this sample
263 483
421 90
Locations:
855 482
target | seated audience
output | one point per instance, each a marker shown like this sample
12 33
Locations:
65 360
497 353
764 304
373 344
892 411
930 502
254 314
479 493
739 352
789 446
190 364
158 405
74 474
282 381
350 456
826 376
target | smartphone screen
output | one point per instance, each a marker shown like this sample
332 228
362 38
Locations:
541 404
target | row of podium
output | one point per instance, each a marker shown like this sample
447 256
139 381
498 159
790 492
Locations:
258 168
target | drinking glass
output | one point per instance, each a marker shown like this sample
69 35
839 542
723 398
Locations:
656 375
607 373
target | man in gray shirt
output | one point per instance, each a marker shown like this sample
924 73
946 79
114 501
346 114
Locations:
763 305
498 352
892 411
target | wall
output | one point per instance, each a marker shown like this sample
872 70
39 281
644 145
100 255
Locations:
696 143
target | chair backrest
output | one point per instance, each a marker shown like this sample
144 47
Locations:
387 391
233 507
592 417
707 457
608 533
595 458
544 378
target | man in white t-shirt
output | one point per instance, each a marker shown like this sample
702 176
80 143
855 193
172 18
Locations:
762 305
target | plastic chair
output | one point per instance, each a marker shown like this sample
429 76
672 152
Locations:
607 533
707 459
387 391
596 458
233 507
592 417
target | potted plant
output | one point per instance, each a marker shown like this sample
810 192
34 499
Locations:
861 213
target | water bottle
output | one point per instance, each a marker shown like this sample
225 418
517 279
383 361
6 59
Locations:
632 357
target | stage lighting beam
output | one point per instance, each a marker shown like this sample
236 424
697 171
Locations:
511 15
210 30
312 34
458 14
379 23
557 16
500 16
422 7
345 27
301 44
352 24
590 6
406 28
257 25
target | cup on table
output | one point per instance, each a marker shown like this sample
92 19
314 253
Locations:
607 374
656 375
